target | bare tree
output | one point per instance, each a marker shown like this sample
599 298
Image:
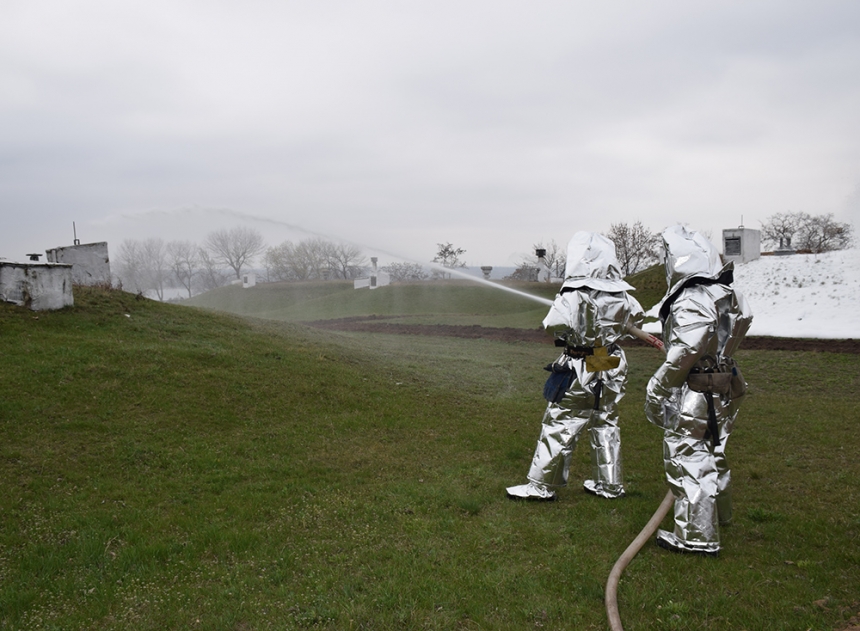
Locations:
129 266
816 233
313 259
402 272
155 257
555 257
821 233
635 246
236 247
275 260
345 261
143 265
781 228
183 257
210 276
526 270
290 262
448 256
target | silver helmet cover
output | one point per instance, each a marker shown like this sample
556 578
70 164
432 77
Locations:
689 255
592 305
591 262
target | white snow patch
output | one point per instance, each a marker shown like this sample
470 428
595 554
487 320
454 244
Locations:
801 295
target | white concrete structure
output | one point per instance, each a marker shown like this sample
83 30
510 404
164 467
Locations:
90 262
377 279
543 275
249 279
741 245
40 287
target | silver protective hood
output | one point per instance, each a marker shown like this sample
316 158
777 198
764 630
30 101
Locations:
689 255
591 262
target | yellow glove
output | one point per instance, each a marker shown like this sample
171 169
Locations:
601 360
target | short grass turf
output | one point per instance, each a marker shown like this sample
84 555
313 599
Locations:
171 468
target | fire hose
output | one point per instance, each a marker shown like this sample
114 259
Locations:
622 562
646 533
649 339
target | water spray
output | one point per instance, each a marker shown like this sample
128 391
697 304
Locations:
482 281
292 226
611 595
645 337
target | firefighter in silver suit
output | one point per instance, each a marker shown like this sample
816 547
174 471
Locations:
590 314
695 394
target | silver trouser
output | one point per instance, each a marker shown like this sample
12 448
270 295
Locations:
564 422
698 473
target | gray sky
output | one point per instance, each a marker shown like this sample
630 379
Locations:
399 125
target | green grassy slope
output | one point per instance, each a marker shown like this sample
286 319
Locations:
650 285
171 468
451 302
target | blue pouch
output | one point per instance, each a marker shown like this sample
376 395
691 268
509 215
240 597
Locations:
558 382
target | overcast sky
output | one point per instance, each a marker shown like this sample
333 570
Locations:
399 125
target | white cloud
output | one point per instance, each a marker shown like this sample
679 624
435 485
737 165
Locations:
489 124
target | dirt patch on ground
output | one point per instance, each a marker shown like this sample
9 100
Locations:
383 324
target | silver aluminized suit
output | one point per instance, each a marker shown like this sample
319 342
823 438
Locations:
704 322
592 312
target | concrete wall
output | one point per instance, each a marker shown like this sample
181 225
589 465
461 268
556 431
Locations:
377 279
90 262
40 287
741 245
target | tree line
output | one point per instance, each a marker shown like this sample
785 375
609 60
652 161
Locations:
151 265
804 232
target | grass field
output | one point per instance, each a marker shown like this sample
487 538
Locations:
450 302
174 468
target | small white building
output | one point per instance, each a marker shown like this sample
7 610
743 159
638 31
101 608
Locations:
90 262
249 279
37 286
377 278
741 245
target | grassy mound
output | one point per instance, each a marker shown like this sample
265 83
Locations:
650 285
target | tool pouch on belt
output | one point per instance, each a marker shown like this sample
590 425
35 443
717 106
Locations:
711 378
710 382
562 375
723 378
